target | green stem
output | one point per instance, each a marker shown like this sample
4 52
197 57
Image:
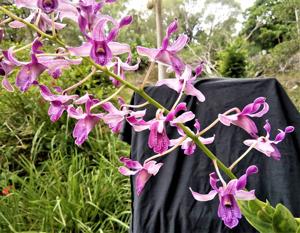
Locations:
137 90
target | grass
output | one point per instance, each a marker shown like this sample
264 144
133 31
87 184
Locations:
58 187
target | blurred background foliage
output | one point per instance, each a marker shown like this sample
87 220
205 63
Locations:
55 186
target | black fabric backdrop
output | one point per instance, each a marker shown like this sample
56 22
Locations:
166 204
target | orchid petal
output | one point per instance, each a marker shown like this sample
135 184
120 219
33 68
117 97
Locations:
204 197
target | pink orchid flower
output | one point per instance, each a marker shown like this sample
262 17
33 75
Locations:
158 139
115 117
101 46
44 23
167 54
30 71
267 146
143 173
86 120
188 145
64 8
183 83
229 210
58 103
258 108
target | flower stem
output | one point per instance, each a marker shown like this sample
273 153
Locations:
135 106
80 82
242 156
166 152
108 98
147 74
53 24
218 173
216 121
5 21
180 95
19 49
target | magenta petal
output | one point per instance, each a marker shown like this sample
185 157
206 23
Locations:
204 197
183 118
153 167
159 142
26 3
150 53
245 195
83 127
141 180
242 181
247 124
127 172
55 111
179 43
229 214
207 141
6 84
83 50
67 10
119 48
191 90
213 180
227 120
171 83
131 163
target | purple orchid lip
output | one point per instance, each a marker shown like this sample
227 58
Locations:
48 6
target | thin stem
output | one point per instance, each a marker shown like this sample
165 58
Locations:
108 98
140 92
36 23
147 74
80 82
20 49
5 21
52 54
168 151
218 173
243 155
216 121
53 24
180 95
135 106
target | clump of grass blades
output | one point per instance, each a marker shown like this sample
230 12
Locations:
67 193
58 187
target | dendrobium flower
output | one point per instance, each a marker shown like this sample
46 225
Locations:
258 108
143 173
58 103
229 210
64 8
188 145
101 47
86 120
89 13
183 83
167 54
44 23
267 146
115 117
6 68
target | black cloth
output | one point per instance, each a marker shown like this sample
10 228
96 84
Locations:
166 204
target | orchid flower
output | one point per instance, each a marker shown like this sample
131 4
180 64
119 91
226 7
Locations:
267 146
44 23
229 210
143 173
86 120
183 83
158 139
58 103
6 68
188 145
30 71
167 54
258 108
64 8
116 117
101 47
89 13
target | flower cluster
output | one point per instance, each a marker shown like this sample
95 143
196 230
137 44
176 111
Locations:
105 54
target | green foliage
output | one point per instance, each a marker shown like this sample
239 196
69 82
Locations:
233 60
267 219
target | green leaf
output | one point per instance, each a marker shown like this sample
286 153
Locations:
283 220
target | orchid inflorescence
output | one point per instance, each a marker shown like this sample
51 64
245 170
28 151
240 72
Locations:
101 49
